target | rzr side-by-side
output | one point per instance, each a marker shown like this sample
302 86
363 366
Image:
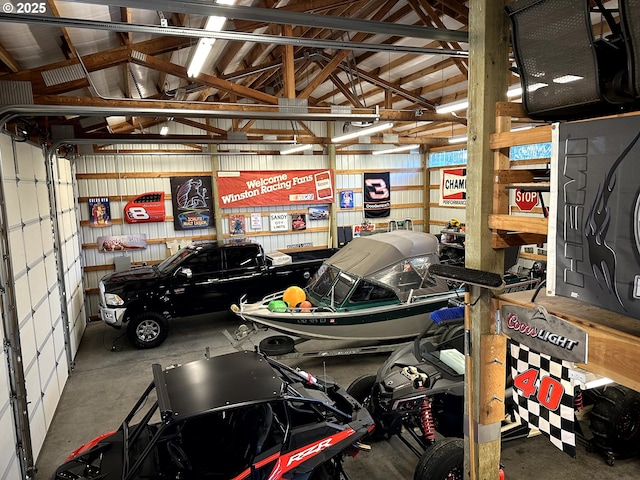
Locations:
231 417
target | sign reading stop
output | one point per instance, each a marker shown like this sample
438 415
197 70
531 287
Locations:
526 200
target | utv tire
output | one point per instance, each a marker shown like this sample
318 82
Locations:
148 329
361 389
277 345
615 421
443 460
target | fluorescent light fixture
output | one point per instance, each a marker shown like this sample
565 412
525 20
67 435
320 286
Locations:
362 132
295 149
567 79
164 130
402 148
214 24
458 139
453 107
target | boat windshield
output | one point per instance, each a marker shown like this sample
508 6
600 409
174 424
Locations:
410 275
332 284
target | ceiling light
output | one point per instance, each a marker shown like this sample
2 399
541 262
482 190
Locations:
295 149
164 130
214 24
453 107
362 132
458 139
402 148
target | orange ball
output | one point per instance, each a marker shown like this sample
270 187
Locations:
305 306
294 295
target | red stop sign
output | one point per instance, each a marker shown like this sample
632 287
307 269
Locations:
526 200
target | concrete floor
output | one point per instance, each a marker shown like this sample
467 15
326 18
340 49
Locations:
106 383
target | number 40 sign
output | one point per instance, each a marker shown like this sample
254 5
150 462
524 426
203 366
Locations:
547 390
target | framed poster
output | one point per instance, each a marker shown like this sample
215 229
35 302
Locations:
99 212
319 213
117 243
299 221
192 203
346 199
256 221
237 224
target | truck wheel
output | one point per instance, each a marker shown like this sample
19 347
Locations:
444 460
148 329
277 345
362 389
615 421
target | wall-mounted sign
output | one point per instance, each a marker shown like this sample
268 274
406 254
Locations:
320 212
299 221
453 186
256 221
148 207
264 188
192 204
545 333
99 212
543 393
279 222
117 243
346 199
367 227
237 224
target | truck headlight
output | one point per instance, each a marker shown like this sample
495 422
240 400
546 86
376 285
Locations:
113 299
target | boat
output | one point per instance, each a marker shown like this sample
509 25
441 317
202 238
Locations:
375 288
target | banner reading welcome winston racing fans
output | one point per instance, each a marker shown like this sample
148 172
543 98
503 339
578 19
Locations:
261 188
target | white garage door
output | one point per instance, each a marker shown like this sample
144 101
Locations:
36 270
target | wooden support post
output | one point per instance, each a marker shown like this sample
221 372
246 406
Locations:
288 65
333 209
488 73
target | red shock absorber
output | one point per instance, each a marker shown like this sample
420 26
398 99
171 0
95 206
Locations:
578 401
426 417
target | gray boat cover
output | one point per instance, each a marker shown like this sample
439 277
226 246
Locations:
364 256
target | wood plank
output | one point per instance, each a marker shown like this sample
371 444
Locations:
614 339
540 134
510 109
513 223
533 256
504 239
114 175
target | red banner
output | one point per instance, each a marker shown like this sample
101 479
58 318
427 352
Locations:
261 188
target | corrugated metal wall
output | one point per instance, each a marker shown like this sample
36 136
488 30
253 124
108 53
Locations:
36 272
406 172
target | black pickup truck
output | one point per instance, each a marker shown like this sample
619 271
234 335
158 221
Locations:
204 277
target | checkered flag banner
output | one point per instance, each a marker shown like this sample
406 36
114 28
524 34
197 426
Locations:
543 393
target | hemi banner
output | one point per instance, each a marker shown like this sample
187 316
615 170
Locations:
262 188
377 195
453 186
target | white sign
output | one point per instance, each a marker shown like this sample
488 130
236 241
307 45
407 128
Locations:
369 227
256 221
278 222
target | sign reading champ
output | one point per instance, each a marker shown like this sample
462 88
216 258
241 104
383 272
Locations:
545 333
264 188
453 186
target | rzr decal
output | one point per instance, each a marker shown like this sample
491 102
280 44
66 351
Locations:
293 459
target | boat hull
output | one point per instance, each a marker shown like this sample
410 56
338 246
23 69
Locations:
389 322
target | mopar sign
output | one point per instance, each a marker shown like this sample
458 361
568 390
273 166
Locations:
545 333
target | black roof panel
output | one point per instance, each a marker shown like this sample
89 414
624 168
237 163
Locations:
216 383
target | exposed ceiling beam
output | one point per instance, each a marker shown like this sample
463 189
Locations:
8 60
281 16
223 35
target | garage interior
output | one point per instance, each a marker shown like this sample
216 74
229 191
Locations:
104 100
